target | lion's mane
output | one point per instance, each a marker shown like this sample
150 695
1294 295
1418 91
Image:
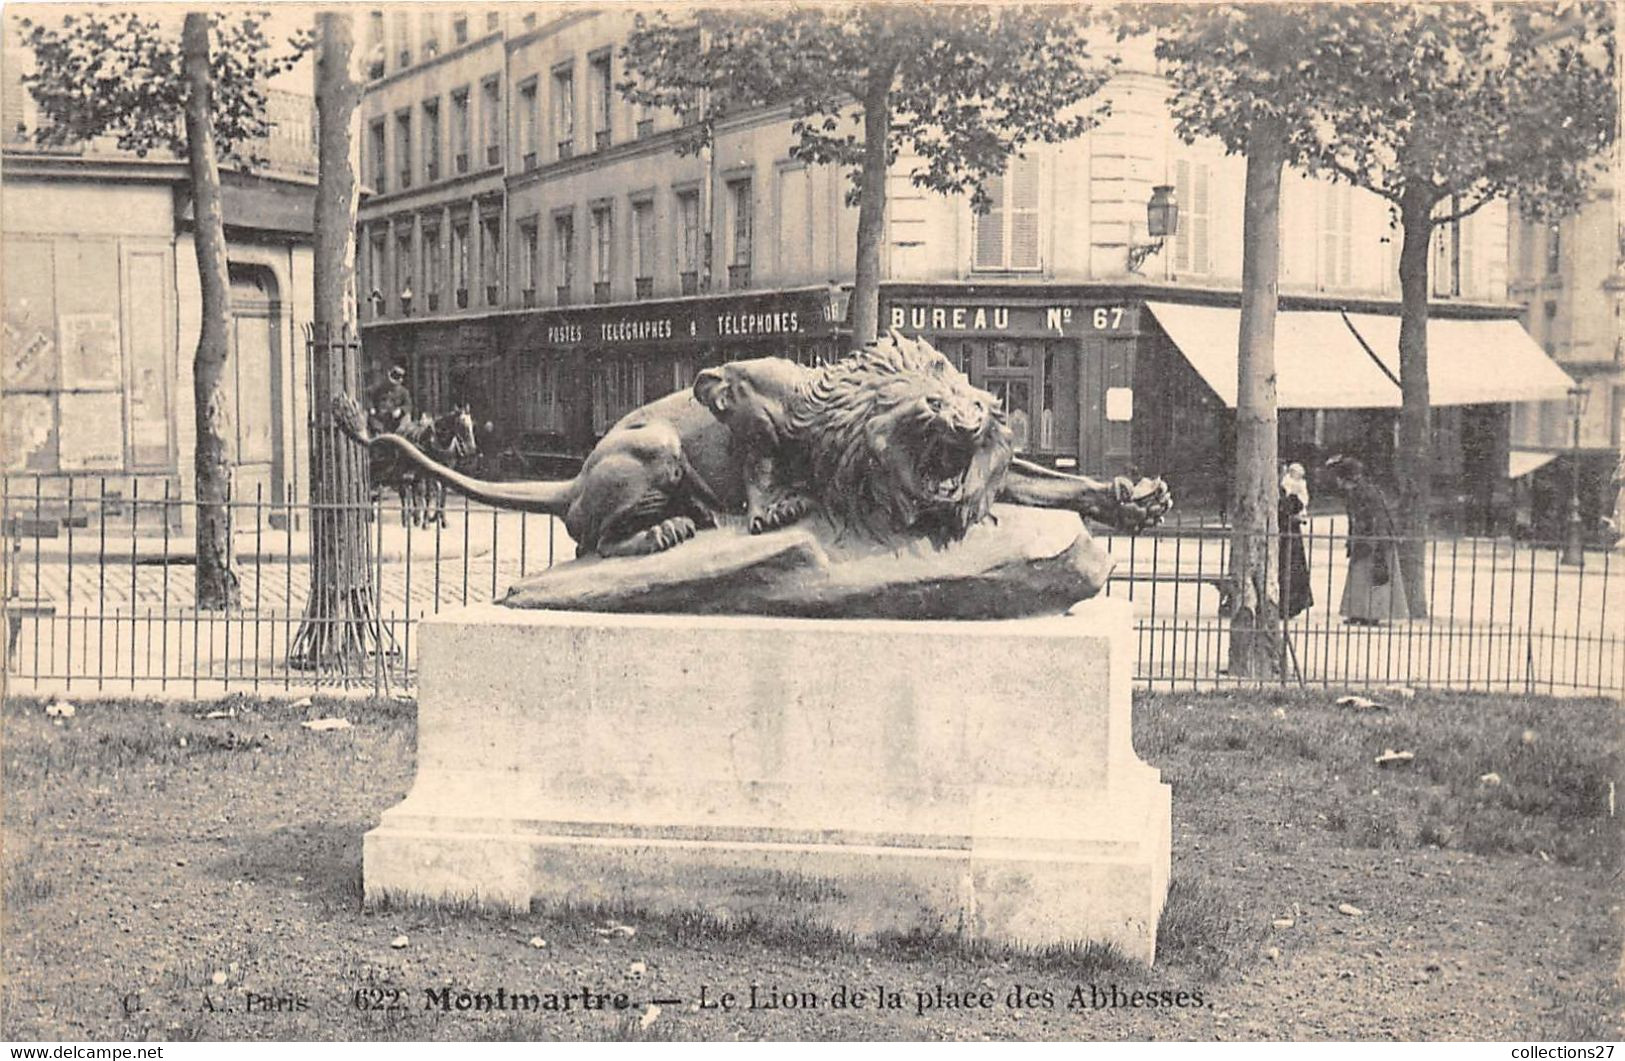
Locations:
837 413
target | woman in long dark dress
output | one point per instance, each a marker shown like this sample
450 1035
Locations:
1296 597
1375 590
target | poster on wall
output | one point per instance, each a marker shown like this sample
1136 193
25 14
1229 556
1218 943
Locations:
25 432
95 441
90 351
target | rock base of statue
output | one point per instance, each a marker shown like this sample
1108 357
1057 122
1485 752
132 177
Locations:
867 776
1021 561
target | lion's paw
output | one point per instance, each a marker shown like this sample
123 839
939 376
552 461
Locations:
1140 504
656 539
780 513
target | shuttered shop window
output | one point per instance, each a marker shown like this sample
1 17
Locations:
1007 236
1191 241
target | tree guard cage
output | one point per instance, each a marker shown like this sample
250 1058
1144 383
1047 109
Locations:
341 627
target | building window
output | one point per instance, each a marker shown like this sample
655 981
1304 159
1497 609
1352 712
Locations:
528 119
403 39
491 100
403 147
459 262
539 383
491 257
529 248
603 99
375 45
1007 235
1337 236
688 241
431 140
643 247
430 34
459 29
739 232
404 257
459 130
564 255
603 252
564 112
493 21
377 272
376 157
1191 250
617 389
431 268
1554 249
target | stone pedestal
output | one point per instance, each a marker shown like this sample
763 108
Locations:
867 775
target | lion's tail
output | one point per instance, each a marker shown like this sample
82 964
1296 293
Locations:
548 498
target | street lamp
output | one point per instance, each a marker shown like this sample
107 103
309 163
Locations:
1574 542
1161 221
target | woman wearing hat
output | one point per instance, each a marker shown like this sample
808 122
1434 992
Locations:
1375 590
1296 597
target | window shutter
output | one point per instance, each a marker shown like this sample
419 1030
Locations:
990 228
1187 205
1024 213
1467 232
1199 225
795 229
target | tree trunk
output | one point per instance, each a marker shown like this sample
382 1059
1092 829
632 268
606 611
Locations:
872 206
1255 625
216 573
341 626
1414 467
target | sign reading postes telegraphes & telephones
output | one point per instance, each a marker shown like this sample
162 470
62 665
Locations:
1067 321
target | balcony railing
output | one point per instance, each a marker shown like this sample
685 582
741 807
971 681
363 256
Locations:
600 140
567 149
600 291
739 276
690 282
561 294
644 286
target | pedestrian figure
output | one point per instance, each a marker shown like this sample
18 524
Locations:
1296 596
390 403
1374 590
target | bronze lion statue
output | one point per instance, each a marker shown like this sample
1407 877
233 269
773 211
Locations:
890 440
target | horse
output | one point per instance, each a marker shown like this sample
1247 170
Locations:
450 439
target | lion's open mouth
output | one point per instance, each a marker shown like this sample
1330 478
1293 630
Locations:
944 469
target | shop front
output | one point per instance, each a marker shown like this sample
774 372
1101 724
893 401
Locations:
1064 368
552 382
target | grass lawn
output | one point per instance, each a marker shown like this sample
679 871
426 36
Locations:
168 876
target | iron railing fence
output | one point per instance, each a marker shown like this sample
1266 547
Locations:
98 594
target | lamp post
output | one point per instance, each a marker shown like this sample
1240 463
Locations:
1574 541
1161 221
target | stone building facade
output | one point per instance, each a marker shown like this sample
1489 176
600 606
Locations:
579 263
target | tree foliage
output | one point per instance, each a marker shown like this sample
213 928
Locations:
1467 102
119 74
966 85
